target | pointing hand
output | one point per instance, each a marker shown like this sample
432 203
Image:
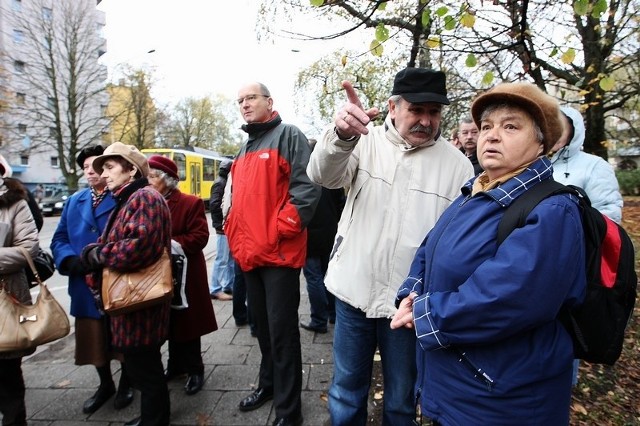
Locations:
351 120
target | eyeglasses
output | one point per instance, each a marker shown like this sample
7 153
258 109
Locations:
250 98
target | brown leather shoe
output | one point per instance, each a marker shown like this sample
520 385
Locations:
221 295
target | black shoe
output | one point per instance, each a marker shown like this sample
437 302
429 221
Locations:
288 421
98 399
123 398
134 422
240 323
310 327
255 400
194 384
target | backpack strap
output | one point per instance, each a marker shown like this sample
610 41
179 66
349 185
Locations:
516 213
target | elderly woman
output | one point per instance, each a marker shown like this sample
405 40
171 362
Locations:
83 219
491 349
17 229
190 229
138 231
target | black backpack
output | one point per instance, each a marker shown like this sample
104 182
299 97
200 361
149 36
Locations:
597 325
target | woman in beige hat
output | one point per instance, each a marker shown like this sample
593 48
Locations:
491 347
138 231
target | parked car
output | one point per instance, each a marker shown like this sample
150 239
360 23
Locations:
54 204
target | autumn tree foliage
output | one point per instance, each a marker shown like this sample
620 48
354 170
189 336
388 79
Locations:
585 52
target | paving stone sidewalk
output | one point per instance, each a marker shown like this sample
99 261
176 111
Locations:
56 388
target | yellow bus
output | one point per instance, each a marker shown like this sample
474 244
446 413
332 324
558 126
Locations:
197 168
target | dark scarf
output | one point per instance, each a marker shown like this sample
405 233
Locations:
255 128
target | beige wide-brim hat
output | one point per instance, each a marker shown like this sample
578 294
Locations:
128 152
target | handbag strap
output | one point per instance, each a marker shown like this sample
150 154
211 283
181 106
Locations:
32 265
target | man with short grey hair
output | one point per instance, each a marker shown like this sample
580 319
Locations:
468 135
272 201
402 176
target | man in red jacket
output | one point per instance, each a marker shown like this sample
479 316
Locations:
272 201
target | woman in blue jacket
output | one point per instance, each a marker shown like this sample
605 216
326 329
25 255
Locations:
491 349
84 217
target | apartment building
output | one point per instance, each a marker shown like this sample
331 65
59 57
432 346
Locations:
52 97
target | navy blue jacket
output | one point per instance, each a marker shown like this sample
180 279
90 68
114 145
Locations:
494 308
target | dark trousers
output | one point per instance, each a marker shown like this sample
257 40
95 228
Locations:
274 297
12 392
240 311
146 373
185 357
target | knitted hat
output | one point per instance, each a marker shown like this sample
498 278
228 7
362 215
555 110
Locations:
543 108
89 151
162 163
128 152
420 85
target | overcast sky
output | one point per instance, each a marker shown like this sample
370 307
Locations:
203 47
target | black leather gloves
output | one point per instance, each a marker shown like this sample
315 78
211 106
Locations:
72 265
90 257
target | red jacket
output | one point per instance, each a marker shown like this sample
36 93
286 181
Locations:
272 198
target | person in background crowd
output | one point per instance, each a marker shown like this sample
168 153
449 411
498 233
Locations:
83 219
137 233
320 234
38 193
468 134
491 347
222 276
190 229
272 201
402 175
240 311
455 138
6 172
17 229
573 166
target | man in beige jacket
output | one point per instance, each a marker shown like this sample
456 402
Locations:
402 176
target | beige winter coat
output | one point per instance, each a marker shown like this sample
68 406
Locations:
17 229
397 193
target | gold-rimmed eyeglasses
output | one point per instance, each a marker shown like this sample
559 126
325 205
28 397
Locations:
250 98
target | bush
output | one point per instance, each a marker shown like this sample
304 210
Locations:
629 181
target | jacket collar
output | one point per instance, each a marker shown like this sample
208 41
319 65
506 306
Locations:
508 191
254 129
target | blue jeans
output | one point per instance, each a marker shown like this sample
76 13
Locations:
355 340
322 302
222 275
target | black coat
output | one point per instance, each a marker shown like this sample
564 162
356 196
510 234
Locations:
215 202
323 226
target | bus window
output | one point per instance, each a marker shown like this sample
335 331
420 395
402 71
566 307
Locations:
181 162
209 169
